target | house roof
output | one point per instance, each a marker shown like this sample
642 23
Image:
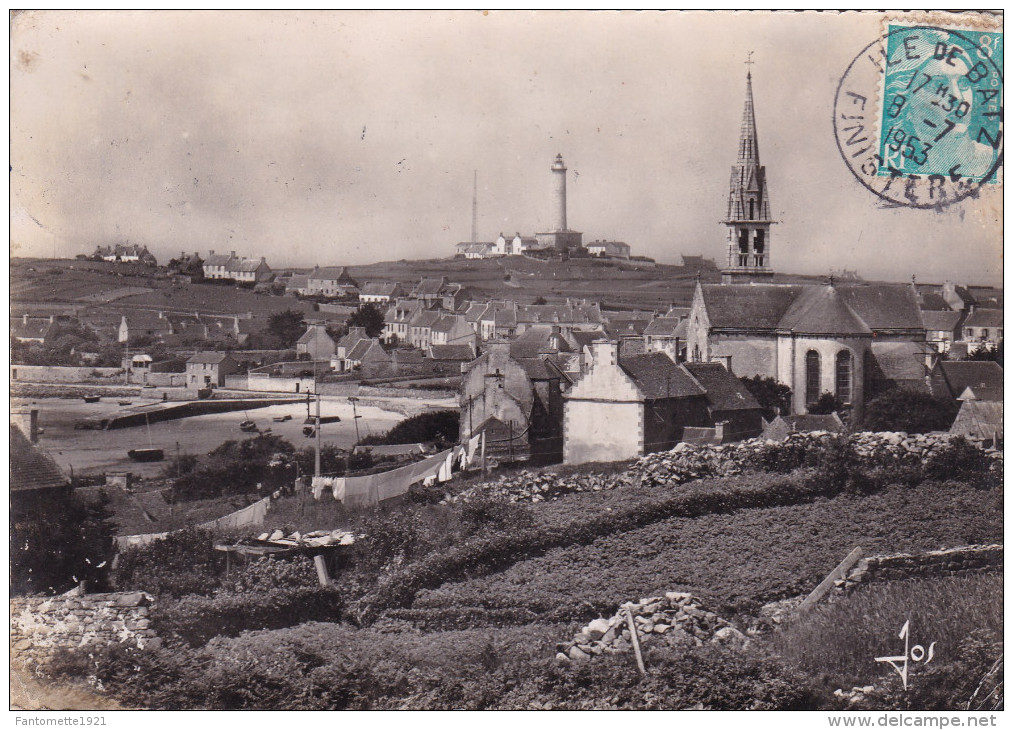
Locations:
983 377
781 426
34 328
941 321
984 318
979 419
662 327
32 468
380 288
338 274
354 336
368 351
218 259
822 310
429 287
312 333
584 339
558 313
658 377
474 311
460 353
246 265
505 317
408 356
209 358
426 318
446 323
298 281
725 392
541 368
933 301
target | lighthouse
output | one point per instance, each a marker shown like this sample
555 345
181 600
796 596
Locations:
559 236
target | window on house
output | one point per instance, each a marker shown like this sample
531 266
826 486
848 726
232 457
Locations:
984 333
812 377
843 376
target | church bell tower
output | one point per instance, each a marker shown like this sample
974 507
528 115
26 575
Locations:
748 217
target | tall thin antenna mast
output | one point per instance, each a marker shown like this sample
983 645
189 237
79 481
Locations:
474 212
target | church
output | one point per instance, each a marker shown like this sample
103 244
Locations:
850 340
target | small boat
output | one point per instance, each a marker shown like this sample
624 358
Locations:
330 419
146 454
309 420
282 419
92 398
248 426
125 402
308 431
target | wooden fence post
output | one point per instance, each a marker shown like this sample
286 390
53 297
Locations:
835 575
322 575
635 640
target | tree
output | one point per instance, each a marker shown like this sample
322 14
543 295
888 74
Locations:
368 317
286 327
541 300
439 426
57 540
910 411
772 396
986 353
826 404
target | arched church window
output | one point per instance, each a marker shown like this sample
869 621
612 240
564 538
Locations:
843 376
696 353
812 377
751 211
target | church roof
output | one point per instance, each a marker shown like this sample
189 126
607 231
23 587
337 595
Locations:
884 306
901 361
748 306
658 377
822 310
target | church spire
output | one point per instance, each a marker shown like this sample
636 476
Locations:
748 215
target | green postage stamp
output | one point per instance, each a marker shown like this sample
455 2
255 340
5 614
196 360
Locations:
942 102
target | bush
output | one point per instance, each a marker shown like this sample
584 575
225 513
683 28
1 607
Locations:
912 412
439 426
772 396
181 563
489 514
963 461
826 404
195 620
236 467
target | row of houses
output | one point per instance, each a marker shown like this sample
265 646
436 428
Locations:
125 253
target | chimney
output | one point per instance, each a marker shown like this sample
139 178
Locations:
211 252
27 419
232 253
24 318
604 353
263 259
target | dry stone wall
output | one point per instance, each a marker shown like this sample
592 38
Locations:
42 626
675 619
687 462
934 564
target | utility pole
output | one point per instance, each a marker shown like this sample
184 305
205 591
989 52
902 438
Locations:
355 417
316 390
474 212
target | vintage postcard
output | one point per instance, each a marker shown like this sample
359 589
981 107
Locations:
507 360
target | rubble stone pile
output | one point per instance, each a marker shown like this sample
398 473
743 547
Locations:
687 462
41 626
675 619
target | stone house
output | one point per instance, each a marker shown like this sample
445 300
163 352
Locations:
983 327
942 328
331 281
452 329
380 292
516 401
728 401
952 379
397 319
316 343
209 369
622 409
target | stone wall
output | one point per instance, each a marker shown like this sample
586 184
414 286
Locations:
934 564
65 374
42 626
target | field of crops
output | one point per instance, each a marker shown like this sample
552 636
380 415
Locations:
737 559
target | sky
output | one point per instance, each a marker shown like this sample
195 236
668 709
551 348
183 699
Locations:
343 138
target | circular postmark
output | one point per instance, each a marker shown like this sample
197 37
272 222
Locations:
918 115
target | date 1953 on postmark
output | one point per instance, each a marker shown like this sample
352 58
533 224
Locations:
918 115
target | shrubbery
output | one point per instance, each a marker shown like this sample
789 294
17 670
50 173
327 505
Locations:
236 467
909 411
181 563
439 426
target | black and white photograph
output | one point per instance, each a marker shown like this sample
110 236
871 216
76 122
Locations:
511 360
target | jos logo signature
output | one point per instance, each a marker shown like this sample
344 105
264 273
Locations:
915 653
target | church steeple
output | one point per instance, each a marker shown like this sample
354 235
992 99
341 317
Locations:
748 216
